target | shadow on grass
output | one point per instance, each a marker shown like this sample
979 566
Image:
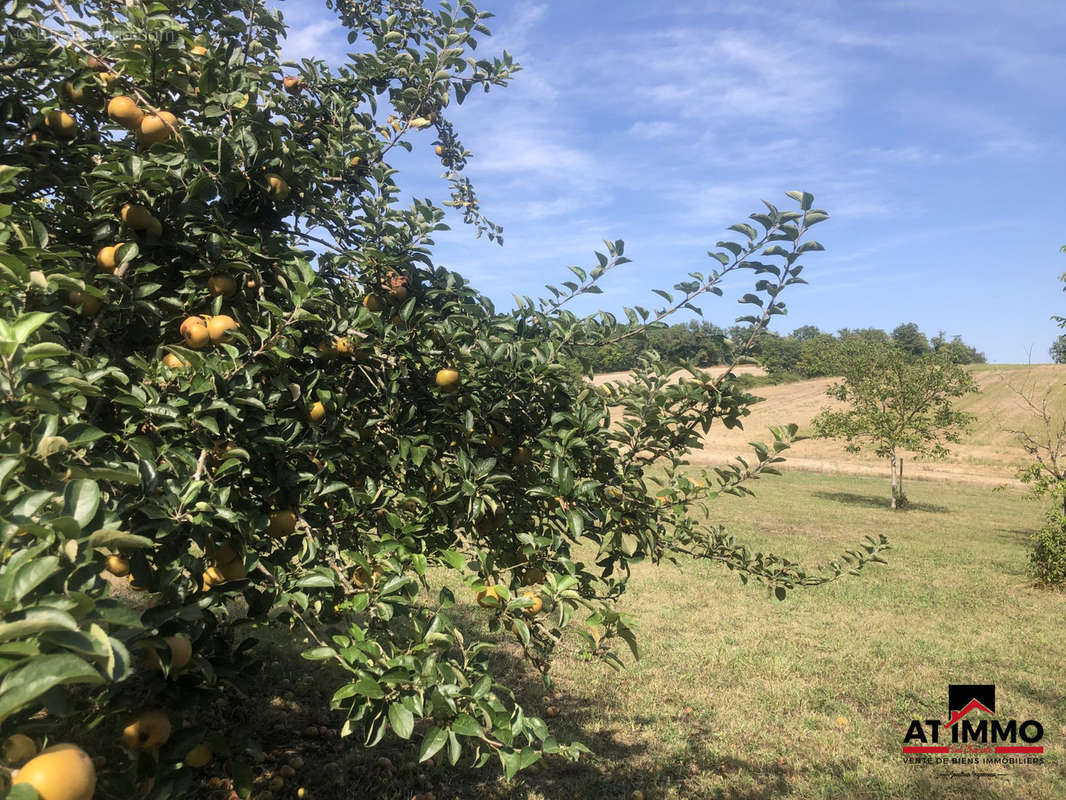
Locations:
696 768
868 501
1015 534
626 756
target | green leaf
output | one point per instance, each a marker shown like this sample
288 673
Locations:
28 505
27 684
13 268
7 466
520 627
577 522
805 199
316 581
454 559
30 575
44 350
37 620
402 720
104 474
242 778
432 742
26 324
368 687
82 433
466 725
343 693
23 791
119 540
81 500
512 762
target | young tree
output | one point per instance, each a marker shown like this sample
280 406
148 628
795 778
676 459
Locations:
230 373
1043 440
897 403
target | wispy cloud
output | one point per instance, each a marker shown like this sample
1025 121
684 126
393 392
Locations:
662 124
975 130
722 76
654 129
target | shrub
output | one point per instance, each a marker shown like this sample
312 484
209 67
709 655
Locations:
1047 556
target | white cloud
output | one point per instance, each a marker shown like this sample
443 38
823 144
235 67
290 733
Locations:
720 76
315 40
523 148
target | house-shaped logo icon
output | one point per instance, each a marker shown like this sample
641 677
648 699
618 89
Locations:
966 697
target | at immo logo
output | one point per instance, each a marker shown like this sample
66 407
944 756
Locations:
964 726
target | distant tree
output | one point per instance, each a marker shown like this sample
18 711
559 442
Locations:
779 354
805 332
875 335
809 353
896 402
700 343
739 333
1057 351
909 338
956 349
819 356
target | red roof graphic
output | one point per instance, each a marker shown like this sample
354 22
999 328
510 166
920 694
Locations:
973 705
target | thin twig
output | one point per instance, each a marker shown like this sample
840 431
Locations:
201 463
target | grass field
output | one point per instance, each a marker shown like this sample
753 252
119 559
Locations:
738 696
989 455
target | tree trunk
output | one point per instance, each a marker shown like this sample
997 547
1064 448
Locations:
899 484
895 477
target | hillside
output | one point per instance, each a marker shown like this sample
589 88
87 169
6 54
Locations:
988 456
743 369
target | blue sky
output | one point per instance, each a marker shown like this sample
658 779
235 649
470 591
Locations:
931 130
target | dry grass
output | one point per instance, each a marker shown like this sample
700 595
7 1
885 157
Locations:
989 455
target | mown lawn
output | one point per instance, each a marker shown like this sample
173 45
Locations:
738 696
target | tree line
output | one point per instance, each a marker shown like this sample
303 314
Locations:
806 352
